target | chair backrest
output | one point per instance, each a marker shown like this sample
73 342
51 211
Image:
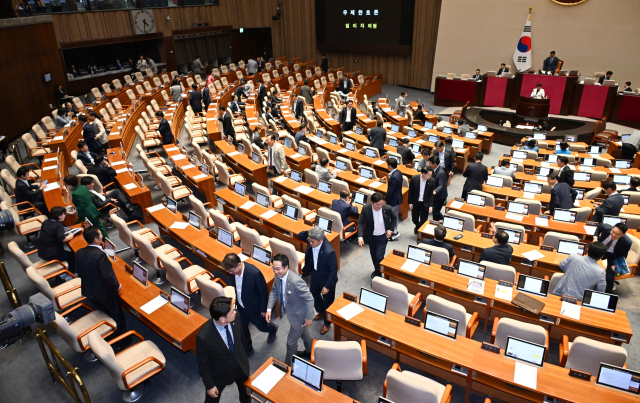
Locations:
199 209
438 255
174 273
294 202
508 180
633 257
298 77
224 81
586 355
469 220
553 238
13 164
409 387
123 231
521 330
311 178
146 250
9 180
220 221
497 272
450 309
117 84
223 174
450 76
287 249
634 197
210 290
338 185
490 200
19 255
335 217
248 238
340 360
104 352
398 296
633 220
285 70
592 194
512 227
535 207
80 165
48 123
131 95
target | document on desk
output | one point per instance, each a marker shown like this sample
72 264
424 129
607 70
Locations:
321 141
528 195
595 155
375 184
155 208
130 186
267 379
184 167
296 156
243 257
504 292
615 170
351 310
410 266
56 138
50 168
572 167
179 225
570 310
173 149
201 176
280 179
378 162
525 375
121 170
247 205
542 222
544 164
361 180
541 178
518 160
581 168
153 305
514 217
589 229
429 229
342 150
268 214
51 159
420 141
231 154
51 186
457 204
533 255
117 163
182 156
475 286
303 189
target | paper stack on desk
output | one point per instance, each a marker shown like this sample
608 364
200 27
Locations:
268 214
51 186
570 310
361 180
130 186
457 204
525 375
410 266
514 217
351 310
296 155
267 379
303 189
247 205
280 179
533 255
153 305
589 229
542 222
375 184
179 225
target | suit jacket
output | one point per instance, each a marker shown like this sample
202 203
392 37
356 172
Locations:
206 97
344 209
443 245
394 189
165 131
235 108
324 64
98 202
262 92
298 107
99 282
366 224
298 299
85 160
323 173
105 174
89 136
503 70
198 68
239 92
326 268
343 118
406 154
441 178
50 239
477 77
449 159
300 136
227 125
195 100
377 137
262 65
252 67
81 198
601 79
500 254
27 193
255 293
344 86
419 116
476 175
611 206
279 158
176 93
550 64
305 92
414 191
622 247
566 176
216 363
562 196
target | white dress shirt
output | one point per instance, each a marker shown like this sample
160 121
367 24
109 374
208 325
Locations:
441 156
378 222
223 332
423 183
98 194
283 281
348 119
613 244
537 94
316 252
239 287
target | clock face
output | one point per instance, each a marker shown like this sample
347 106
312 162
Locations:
143 22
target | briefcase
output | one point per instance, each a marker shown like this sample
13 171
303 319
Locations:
527 303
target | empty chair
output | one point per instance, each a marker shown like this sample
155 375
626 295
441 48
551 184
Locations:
467 324
178 192
592 194
508 181
305 214
62 296
151 255
276 201
552 238
597 176
34 170
34 149
398 298
221 220
250 237
469 220
506 327
340 360
212 288
26 228
535 207
311 178
633 220
75 333
438 255
199 208
116 85
337 223
296 258
495 271
450 76
409 387
225 177
183 279
490 200
634 197
126 235
130 367
42 267
586 355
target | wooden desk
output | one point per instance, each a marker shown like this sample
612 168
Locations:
577 154
242 163
313 200
524 177
507 193
385 110
136 194
352 180
297 161
278 226
325 119
291 390
206 185
55 197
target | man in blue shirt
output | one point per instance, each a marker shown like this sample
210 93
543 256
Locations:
564 149
344 207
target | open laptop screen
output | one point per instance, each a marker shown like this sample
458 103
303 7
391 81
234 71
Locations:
369 152
533 285
454 223
447 130
179 300
239 188
110 249
600 300
262 199
307 373
476 200
521 350
535 188
619 378
296 176
482 128
623 164
373 300
441 324
194 220
261 255
471 269
457 143
495 181
571 247
515 237
360 198
520 154
432 138
172 205
324 223
366 173
324 187
290 211
564 215
419 255
613 220
518 208
582 176
140 273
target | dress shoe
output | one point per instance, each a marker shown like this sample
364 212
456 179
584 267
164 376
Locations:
415 230
272 335
303 354
325 329
318 317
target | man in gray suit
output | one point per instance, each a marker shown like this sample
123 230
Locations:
198 68
295 299
252 67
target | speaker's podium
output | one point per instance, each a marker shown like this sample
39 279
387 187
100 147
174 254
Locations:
533 108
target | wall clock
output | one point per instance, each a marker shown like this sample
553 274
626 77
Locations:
569 2
143 22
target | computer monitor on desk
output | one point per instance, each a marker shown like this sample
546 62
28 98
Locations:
623 164
433 138
564 215
360 198
395 158
393 142
290 211
518 208
428 125
287 142
369 152
172 205
141 274
619 378
110 249
567 247
600 300
539 136
416 148
194 220
522 155
515 237
476 200
613 220
333 139
352 147
411 133
447 130
471 269
595 150
262 199
341 165
535 188
307 373
366 172
495 181
442 325
395 128
552 158
373 300
261 255
582 176
542 171
295 176
239 188
588 162
457 144
482 128
255 157
324 223
180 301
453 223
324 187
622 179
419 255
525 351
533 285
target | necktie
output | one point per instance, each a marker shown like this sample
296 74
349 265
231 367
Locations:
608 244
282 297
229 339
271 156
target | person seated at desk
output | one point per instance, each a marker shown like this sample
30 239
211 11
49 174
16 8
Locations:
550 64
344 87
85 155
421 197
477 76
419 115
634 184
195 99
269 116
618 245
627 87
323 171
52 238
345 207
29 191
275 109
562 194
256 138
463 127
564 149
565 174
476 175
164 128
69 107
504 170
531 145
607 76
501 252
81 198
612 204
63 118
61 97
582 273
100 200
273 98
235 105
301 136
439 233
73 71
442 124
377 136
503 69
405 152
538 92
102 170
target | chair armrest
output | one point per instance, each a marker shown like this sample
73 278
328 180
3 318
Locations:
108 184
27 210
424 313
109 204
396 367
52 261
91 329
453 260
313 351
157 238
346 235
73 308
309 213
57 296
446 396
218 280
564 350
415 304
494 329
31 252
363 343
472 325
190 279
139 223
477 230
525 237
122 336
59 272
172 250
230 218
182 259
539 241
633 270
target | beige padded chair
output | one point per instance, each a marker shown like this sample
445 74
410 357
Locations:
183 279
597 176
508 181
212 288
586 355
34 170
225 177
81 168
275 201
438 255
9 181
398 298
151 255
221 220
116 84
27 227
130 367
592 194
308 216
175 192
634 197
535 207
199 208
495 271
633 220
75 333
35 149
467 324
553 282
126 235
505 327
553 238
43 267
62 296
337 223
296 258
128 80
469 220
514 227
340 360
409 387
250 237
450 76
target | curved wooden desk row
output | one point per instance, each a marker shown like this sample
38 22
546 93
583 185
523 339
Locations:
54 171
486 372
206 184
533 164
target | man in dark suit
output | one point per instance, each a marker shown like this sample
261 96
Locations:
440 191
195 99
476 175
252 295
605 77
405 152
627 87
477 76
503 69
220 352
206 97
377 136
321 263
301 136
227 124
501 252
239 92
439 233
102 170
375 227
261 64
344 207
165 129
262 93
421 197
447 157
618 245
566 173
70 108
324 64
551 62
348 117
393 198
419 115
115 197
26 191
235 106
634 184
612 204
89 135
85 155
562 195
297 106
99 283
344 86
52 238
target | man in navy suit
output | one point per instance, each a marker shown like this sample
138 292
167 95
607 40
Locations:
440 192
206 97
618 244
298 106
394 193
562 195
612 204
501 252
235 106
321 263
252 295
344 207
195 99
89 135
85 155
439 232
550 63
